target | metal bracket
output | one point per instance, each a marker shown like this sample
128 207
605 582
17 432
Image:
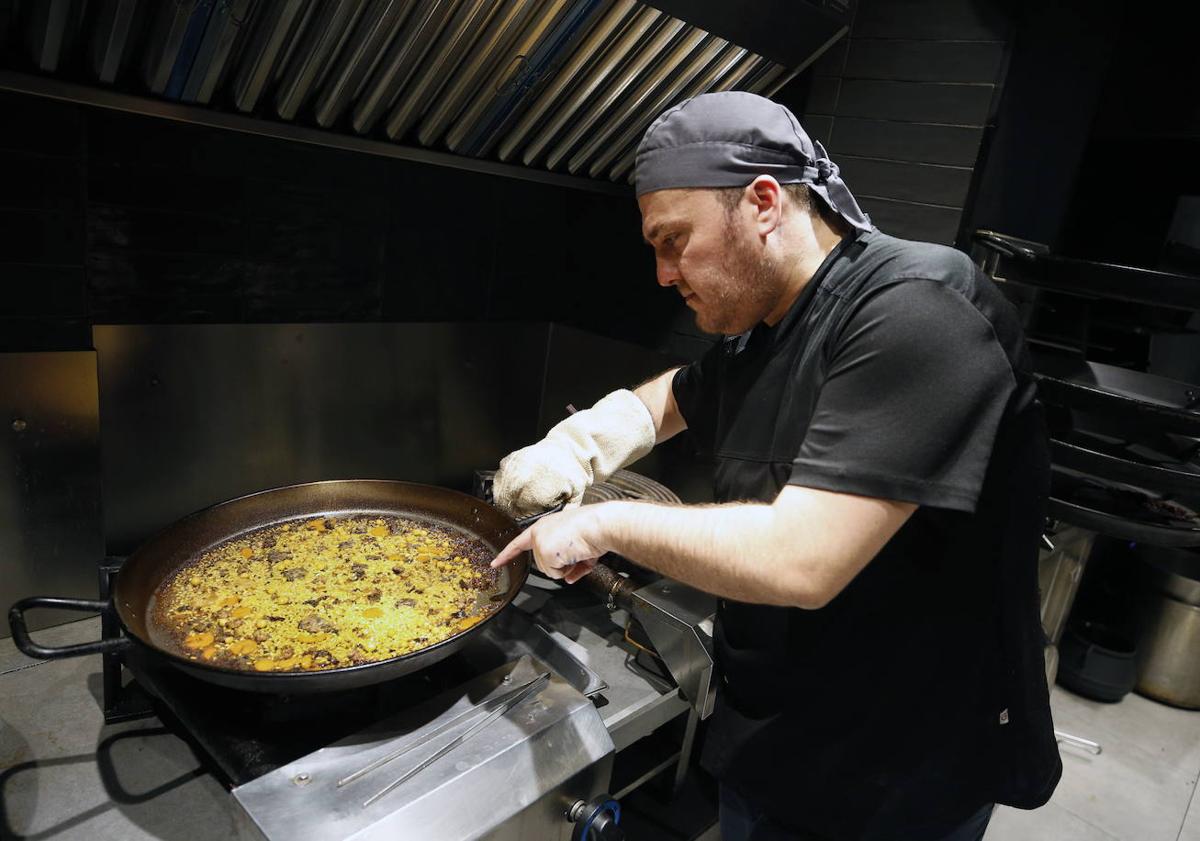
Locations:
121 702
678 619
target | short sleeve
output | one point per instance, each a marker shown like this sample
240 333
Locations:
695 390
916 389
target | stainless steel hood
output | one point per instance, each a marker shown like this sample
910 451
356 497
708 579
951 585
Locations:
548 89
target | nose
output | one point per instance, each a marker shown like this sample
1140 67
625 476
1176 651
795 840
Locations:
668 272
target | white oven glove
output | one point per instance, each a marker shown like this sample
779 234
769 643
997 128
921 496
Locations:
587 447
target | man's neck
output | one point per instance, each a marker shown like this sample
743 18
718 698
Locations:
810 254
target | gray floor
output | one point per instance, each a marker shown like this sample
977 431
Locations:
1139 789
64 775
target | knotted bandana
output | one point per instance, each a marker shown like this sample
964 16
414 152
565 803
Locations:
728 139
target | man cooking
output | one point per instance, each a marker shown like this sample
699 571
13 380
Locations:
881 468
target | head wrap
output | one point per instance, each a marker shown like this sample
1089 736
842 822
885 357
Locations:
728 139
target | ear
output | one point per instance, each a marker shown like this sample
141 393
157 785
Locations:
766 196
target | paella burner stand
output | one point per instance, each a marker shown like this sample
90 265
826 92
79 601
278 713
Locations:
640 701
276 729
122 701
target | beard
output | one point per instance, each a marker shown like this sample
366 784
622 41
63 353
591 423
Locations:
745 291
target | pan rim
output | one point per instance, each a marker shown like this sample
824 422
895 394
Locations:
283 679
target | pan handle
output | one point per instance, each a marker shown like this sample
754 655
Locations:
525 522
608 584
20 631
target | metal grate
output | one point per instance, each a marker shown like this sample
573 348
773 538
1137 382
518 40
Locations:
566 86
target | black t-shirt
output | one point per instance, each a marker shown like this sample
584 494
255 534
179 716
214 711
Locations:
918 694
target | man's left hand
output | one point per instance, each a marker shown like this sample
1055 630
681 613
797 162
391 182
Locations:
564 545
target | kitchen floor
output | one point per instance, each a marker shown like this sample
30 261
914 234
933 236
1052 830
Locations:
1140 788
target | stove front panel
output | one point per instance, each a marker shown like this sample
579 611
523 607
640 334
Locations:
515 779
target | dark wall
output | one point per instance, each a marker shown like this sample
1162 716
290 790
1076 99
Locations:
901 106
1098 133
43 228
107 217
1143 151
1060 56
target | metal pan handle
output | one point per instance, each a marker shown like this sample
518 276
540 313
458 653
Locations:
615 589
525 522
20 631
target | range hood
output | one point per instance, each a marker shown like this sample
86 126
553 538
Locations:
548 89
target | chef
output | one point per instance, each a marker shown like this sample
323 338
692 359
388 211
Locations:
880 475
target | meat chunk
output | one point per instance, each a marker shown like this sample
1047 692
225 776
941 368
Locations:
315 624
292 573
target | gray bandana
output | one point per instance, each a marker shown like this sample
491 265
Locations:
730 138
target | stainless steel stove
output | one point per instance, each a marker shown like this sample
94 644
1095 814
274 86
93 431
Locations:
464 764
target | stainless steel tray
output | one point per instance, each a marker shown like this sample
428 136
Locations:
514 633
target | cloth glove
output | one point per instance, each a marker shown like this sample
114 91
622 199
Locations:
587 447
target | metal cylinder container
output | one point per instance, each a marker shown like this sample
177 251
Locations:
1169 652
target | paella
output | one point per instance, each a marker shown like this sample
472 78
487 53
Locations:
327 592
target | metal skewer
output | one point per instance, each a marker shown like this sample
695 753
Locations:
457 721
531 688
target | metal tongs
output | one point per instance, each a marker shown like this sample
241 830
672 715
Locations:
496 707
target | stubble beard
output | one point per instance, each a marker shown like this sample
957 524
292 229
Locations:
746 294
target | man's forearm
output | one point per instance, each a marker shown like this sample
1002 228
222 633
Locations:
801 550
732 551
660 401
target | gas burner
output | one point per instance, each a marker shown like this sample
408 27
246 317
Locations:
636 486
624 484
602 492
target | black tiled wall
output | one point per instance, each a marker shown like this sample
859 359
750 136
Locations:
43 193
901 105
107 217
